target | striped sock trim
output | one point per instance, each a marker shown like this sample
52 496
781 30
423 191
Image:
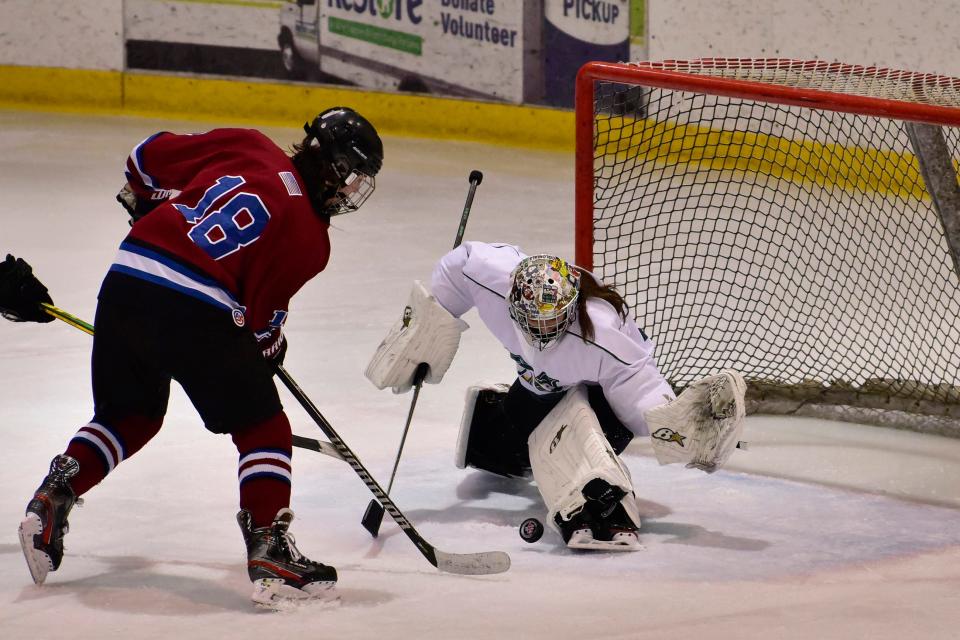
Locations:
261 463
107 443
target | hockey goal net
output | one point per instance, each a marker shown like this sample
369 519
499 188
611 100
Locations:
794 220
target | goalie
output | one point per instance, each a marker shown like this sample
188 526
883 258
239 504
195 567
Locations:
587 384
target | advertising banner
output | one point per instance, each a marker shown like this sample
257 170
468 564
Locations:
470 48
518 51
576 32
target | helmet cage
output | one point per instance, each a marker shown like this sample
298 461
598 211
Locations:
352 193
543 299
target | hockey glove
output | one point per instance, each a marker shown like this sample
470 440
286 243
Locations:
137 207
21 293
274 350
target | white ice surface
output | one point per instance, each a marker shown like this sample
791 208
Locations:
820 530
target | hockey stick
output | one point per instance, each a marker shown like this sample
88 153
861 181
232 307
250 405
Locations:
319 446
373 516
71 320
462 563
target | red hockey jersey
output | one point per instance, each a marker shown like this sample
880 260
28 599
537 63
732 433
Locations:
235 228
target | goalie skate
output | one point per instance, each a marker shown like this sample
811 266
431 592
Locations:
614 533
603 523
620 541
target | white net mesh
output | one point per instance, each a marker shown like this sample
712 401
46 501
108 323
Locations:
796 245
835 77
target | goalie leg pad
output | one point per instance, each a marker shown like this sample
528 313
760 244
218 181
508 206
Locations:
426 333
581 479
703 426
488 439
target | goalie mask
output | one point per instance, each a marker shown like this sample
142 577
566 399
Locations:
543 299
352 153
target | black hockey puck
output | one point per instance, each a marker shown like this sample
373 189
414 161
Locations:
531 529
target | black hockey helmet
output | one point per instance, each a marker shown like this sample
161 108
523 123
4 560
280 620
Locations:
352 150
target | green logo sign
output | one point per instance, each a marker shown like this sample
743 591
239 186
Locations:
406 42
385 8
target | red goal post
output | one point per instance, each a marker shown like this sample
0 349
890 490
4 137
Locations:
713 131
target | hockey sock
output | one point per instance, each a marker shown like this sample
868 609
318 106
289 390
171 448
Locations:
99 447
264 468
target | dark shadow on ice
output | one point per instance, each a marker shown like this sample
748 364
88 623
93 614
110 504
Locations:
697 536
480 485
474 487
139 585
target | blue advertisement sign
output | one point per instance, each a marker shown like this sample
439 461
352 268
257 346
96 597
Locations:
576 32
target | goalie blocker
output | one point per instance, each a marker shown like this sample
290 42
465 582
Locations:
427 333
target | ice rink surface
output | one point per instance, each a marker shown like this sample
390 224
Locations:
820 530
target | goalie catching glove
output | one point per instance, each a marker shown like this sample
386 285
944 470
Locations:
702 426
21 293
426 333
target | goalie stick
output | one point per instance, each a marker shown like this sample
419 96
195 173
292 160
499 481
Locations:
482 563
373 516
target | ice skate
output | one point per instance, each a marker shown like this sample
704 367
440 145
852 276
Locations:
45 523
599 536
279 572
603 523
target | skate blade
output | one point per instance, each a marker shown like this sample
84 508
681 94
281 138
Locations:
620 542
38 562
273 594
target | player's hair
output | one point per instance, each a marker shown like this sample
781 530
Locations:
314 168
590 288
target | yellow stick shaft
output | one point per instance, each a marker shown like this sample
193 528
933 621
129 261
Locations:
71 320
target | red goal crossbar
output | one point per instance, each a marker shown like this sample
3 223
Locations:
695 76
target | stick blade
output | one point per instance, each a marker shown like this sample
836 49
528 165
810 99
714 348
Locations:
473 564
372 518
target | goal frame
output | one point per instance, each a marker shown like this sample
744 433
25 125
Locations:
651 76
851 404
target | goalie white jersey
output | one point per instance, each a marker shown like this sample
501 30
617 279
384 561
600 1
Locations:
619 357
